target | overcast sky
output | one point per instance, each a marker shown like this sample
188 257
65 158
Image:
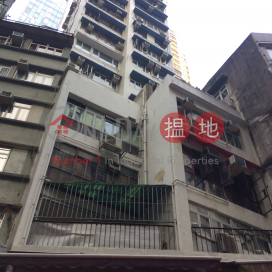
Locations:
208 32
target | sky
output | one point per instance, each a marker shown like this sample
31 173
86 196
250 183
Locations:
208 32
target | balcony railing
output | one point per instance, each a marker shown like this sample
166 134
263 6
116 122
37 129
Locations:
156 6
111 12
103 215
150 14
229 240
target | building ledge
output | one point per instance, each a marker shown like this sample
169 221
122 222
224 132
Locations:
32 52
27 83
22 123
11 176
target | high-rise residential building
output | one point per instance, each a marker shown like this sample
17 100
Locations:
93 182
180 64
175 52
5 5
45 12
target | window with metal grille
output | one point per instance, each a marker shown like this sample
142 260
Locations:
35 77
46 48
18 111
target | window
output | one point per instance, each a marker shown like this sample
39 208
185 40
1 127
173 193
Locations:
83 46
4 70
46 48
85 115
232 139
103 57
4 154
269 51
138 64
222 93
5 40
112 127
103 80
130 140
96 169
18 112
35 77
137 85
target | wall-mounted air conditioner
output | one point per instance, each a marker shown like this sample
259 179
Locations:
237 165
189 103
97 17
150 64
225 243
145 45
100 3
17 38
137 25
120 46
162 33
139 19
211 152
80 61
151 82
23 65
119 12
6 98
90 28
164 56
166 42
114 167
111 143
157 68
232 126
150 9
115 79
72 66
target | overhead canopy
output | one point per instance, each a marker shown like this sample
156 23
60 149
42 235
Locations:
87 262
139 77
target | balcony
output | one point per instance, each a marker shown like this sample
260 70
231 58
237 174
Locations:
107 10
146 16
106 30
103 215
158 9
120 3
146 58
151 29
230 240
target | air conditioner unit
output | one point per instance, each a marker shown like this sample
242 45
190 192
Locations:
115 79
232 126
225 243
164 56
114 167
119 12
73 67
6 98
137 25
261 252
166 42
237 165
211 152
65 25
97 17
150 9
189 103
139 19
151 82
111 143
17 38
150 64
162 33
100 3
23 65
120 46
145 45
157 68
90 28
80 61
